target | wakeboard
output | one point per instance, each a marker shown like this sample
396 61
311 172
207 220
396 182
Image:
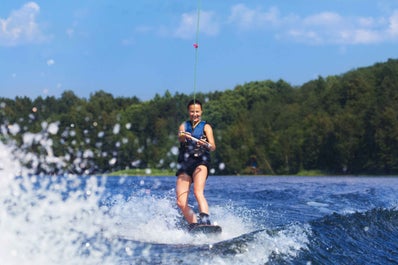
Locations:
206 229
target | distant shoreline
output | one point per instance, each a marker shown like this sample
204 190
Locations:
171 173
142 172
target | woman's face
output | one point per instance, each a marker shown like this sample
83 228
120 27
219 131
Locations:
195 113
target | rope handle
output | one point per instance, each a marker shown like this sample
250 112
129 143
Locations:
196 140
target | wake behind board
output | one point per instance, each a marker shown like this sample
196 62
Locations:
206 229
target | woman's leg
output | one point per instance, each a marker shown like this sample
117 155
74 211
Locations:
182 192
199 177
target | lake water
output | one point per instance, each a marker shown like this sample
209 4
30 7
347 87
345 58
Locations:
73 219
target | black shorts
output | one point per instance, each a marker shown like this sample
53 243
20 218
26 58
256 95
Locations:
189 165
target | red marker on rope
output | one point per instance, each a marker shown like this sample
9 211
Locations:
195 45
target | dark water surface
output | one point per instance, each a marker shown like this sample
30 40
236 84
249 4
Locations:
134 220
265 220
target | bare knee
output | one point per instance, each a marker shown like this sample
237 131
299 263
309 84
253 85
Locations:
181 204
182 200
198 193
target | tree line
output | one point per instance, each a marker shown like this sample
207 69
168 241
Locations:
342 124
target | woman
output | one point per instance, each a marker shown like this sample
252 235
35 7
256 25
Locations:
196 141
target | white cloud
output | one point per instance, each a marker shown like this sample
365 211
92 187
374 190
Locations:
247 18
319 28
128 42
188 25
332 28
50 62
393 24
325 19
70 32
21 26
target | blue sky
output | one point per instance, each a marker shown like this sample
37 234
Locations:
144 47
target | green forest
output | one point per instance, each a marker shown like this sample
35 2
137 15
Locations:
341 124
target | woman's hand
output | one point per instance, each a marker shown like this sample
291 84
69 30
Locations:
186 135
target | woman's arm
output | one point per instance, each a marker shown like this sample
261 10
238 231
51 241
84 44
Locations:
181 134
210 137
